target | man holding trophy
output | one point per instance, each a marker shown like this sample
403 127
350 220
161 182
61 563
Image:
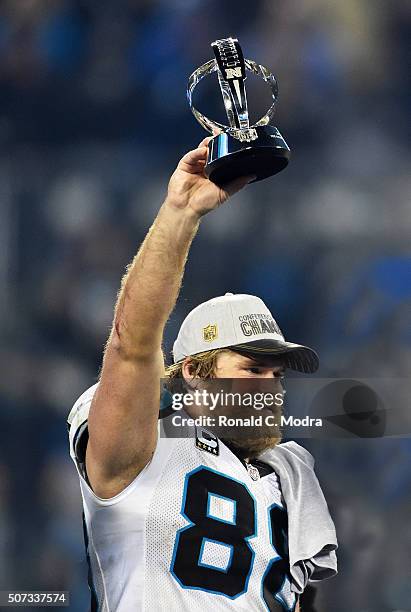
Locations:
201 521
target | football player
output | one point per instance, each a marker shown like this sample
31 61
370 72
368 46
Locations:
197 522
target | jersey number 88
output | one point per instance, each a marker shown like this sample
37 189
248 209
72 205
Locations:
232 579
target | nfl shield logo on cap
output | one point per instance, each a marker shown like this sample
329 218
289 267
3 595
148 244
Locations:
210 333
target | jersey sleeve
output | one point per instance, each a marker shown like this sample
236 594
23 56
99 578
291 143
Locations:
312 540
78 430
314 556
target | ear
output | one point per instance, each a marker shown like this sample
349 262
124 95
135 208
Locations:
187 371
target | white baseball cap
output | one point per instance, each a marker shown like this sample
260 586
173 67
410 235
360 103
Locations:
243 323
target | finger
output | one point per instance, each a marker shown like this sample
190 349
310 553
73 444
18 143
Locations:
216 131
205 141
237 184
193 158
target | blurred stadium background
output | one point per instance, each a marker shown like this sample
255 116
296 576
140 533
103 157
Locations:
93 119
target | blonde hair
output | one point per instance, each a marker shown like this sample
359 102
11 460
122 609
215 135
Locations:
203 365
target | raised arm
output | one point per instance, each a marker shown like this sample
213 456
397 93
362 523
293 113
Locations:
123 416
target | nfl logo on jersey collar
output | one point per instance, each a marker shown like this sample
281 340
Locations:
253 471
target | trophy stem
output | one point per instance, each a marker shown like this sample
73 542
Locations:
232 76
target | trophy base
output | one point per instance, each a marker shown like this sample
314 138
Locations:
230 158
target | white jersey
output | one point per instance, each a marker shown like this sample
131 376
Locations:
195 530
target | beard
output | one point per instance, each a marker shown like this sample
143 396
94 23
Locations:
250 448
249 442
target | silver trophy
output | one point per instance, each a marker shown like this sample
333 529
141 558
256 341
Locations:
239 149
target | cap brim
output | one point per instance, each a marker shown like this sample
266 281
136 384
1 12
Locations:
296 356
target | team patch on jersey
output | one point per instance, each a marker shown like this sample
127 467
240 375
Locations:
207 441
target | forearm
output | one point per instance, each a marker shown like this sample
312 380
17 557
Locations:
150 287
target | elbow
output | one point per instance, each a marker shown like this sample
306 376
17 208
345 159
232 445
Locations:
138 347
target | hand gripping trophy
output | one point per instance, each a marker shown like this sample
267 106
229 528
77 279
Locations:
239 149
